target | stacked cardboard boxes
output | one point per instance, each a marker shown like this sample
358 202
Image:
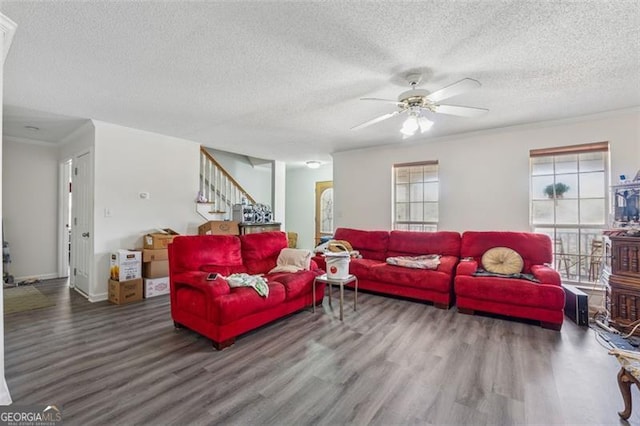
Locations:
155 262
125 282
219 227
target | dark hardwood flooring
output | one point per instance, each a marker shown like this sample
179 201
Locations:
391 362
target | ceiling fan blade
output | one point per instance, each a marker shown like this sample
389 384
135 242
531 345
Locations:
462 111
454 89
376 120
383 100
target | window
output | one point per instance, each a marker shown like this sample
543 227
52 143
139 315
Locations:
569 203
415 196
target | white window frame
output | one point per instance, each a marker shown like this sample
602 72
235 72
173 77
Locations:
412 224
574 266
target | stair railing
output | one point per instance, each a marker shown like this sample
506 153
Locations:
219 188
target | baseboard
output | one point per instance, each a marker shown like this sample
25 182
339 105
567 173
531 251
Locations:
40 277
98 297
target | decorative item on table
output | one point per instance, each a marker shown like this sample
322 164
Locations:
252 213
201 198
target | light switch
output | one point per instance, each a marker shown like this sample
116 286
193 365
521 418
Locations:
107 212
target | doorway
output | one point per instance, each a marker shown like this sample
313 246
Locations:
64 251
324 210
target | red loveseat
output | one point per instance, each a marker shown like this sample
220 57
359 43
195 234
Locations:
543 301
375 274
220 312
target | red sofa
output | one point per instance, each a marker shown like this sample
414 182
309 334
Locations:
543 301
375 274
219 312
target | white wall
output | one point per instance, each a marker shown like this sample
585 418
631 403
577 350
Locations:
484 177
256 180
301 200
30 213
130 161
7 30
78 142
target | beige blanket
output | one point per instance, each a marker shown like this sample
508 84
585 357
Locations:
292 260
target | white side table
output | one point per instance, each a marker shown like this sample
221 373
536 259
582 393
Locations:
341 282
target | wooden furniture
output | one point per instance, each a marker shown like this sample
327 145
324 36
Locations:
339 282
252 228
622 279
628 375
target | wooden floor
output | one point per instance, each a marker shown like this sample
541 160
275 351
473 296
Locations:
392 362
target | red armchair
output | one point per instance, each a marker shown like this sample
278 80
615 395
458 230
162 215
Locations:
541 301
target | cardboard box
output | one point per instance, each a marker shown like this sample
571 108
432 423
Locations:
121 292
155 269
219 227
125 265
156 287
159 240
149 255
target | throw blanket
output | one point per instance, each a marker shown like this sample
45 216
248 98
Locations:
258 283
292 260
429 261
519 276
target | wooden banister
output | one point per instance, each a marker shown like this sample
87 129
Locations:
226 174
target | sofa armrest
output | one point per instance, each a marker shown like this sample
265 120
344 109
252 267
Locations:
466 267
546 274
197 282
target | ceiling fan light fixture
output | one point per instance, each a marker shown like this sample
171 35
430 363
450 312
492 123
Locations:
410 126
425 124
313 164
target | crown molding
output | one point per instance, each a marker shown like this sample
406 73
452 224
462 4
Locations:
8 27
29 141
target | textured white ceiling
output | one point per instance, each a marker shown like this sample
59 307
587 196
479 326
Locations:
282 80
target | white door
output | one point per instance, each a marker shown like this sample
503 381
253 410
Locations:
81 238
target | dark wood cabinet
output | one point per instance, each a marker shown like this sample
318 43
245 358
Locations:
252 228
622 277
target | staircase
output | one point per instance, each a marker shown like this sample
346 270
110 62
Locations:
219 189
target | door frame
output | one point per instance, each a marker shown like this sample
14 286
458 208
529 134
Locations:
64 212
321 186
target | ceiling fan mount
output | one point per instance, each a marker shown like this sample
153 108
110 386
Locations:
417 103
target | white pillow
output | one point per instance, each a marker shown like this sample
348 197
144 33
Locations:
502 260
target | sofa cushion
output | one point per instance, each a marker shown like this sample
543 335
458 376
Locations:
417 278
363 268
370 244
535 249
223 269
502 260
260 251
243 301
411 243
194 251
295 284
510 291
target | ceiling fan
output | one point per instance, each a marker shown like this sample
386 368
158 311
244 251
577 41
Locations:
416 103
